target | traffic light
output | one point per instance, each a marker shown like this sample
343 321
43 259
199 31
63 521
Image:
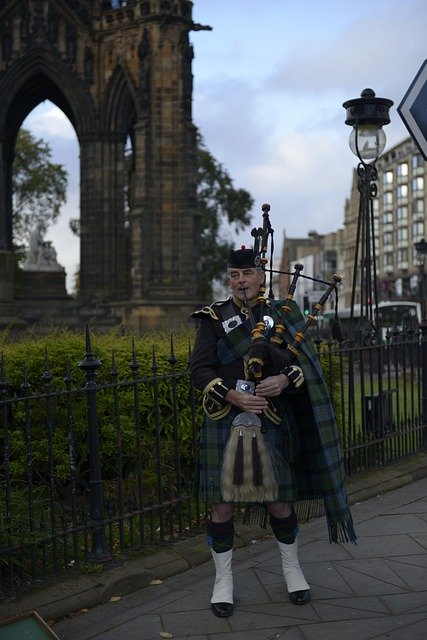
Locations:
306 306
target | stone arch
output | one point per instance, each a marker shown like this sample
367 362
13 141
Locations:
120 112
38 76
28 82
120 107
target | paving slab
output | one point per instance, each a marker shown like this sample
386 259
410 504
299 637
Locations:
374 590
408 626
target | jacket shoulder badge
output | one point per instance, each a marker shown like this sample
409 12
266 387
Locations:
209 311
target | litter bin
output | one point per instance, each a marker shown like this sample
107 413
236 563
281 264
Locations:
379 413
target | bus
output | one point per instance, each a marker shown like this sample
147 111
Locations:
394 316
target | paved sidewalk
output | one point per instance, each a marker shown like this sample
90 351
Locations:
376 589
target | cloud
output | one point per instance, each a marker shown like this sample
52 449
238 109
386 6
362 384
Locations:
306 182
376 49
49 121
233 123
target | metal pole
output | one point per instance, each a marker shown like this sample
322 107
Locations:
421 248
365 241
90 364
423 327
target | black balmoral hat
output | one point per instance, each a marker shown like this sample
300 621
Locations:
243 259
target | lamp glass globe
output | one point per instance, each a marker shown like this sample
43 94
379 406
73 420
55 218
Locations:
367 141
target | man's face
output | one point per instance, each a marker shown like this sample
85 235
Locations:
249 280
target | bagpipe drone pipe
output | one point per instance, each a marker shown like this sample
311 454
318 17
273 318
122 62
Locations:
248 471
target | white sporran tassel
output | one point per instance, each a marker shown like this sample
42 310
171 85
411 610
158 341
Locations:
247 473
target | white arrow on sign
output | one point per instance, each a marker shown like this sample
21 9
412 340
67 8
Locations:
413 109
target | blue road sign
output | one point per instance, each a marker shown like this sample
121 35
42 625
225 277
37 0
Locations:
413 109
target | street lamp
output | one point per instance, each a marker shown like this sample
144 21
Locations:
367 115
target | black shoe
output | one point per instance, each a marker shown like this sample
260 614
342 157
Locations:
222 609
300 597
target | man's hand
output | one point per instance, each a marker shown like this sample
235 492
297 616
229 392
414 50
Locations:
246 401
272 386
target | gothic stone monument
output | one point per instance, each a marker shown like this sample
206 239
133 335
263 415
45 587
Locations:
119 71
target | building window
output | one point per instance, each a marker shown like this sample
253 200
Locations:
388 198
402 256
418 229
418 206
402 192
414 284
402 213
387 260
402 170
417 161
388 217
388 178
418 184
402 234
388 238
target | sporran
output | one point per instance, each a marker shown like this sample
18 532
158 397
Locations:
247 473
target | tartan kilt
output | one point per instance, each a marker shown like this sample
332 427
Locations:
293 452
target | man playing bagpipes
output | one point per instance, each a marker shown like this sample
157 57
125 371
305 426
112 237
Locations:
269 437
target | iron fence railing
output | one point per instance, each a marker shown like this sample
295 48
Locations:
99 471
377 395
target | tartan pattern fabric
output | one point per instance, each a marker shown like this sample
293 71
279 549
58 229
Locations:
235 344
285 529
327 469
220 535
305 448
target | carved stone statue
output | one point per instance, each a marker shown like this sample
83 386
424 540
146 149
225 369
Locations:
41 254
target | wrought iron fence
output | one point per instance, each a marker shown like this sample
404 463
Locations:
96 471
377 396
93 472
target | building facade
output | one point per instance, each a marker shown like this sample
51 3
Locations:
321 256
399 223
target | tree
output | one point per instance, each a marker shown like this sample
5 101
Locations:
39 186
219 203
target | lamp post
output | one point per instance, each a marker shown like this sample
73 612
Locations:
367 115
421 249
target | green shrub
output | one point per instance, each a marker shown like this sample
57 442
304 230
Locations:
330 363
35 359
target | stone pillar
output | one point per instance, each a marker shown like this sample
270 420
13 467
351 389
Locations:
164 216
103 264
8 312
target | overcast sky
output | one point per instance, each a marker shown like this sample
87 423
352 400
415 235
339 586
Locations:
269 83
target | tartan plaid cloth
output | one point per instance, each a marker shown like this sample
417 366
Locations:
305 448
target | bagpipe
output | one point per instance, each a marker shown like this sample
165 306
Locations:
263 349
248 470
